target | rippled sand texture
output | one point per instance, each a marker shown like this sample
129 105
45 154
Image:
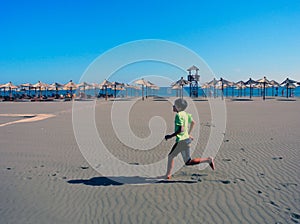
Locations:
45 179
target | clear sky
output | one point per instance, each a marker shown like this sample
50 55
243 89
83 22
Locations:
56 40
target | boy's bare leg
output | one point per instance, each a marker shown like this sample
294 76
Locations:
170 167
195 161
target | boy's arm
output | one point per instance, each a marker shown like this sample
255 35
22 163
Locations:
191 128
179 130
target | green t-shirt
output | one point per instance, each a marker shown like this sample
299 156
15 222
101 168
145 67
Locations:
182 118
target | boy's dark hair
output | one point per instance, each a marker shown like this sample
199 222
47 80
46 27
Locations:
180 104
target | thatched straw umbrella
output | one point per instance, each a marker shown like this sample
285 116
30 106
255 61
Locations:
70 86
10 87
105 84
213 84
240 85
84 85
117 86
250 83
143 83
26 85
181 82
264 81
55 86
41 86
287 83
224 83
205 88
273 83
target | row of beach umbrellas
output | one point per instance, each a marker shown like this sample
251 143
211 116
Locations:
144 85
223 84
71 86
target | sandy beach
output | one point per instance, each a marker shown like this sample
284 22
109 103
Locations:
45 178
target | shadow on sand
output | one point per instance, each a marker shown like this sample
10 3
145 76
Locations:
241 99
118 181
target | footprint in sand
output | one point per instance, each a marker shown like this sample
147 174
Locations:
224 181
236 180
277 158
245 161
84 167
197 176
295 217
134 163
288 184
226 160
261 175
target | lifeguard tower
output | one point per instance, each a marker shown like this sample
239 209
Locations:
193 78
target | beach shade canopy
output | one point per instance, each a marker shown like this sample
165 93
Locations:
287 83
181 82
152 86
226 82
128 86
55 86
155 87
143 83
70 86
292 86
274 83
84 85
223 83
250 83
10 87
240 85
205 86
26 85
117 86
263 80
105 85
176 87
41 86
213 82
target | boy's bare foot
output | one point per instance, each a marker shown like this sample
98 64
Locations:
168 177
212 163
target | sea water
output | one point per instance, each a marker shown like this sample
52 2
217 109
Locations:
167 92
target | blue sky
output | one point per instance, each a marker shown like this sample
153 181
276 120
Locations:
57 40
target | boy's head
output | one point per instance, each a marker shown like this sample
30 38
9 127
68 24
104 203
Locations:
180 104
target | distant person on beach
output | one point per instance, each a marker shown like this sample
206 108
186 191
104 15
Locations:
184 125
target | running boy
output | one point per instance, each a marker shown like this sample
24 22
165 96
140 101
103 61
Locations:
184 125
